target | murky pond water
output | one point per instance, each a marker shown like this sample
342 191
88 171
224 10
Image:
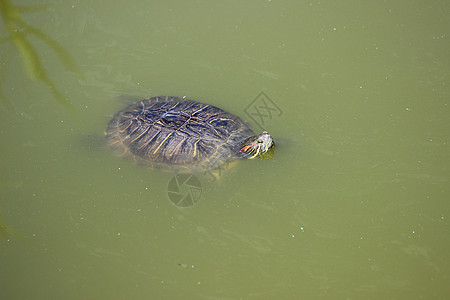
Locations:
354 204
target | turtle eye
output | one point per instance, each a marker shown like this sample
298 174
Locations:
260 141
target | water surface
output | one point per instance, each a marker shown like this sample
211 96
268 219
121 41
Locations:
354 205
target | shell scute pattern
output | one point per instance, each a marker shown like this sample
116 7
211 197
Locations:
177 134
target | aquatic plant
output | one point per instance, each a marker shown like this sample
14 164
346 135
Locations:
18 32
5 230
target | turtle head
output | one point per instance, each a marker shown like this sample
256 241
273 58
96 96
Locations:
256 145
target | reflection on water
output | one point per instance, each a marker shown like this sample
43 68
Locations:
18 31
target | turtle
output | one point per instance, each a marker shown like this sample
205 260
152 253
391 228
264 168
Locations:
181 135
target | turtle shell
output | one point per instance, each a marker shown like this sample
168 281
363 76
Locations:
177 134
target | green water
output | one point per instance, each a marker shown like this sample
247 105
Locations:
354 204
